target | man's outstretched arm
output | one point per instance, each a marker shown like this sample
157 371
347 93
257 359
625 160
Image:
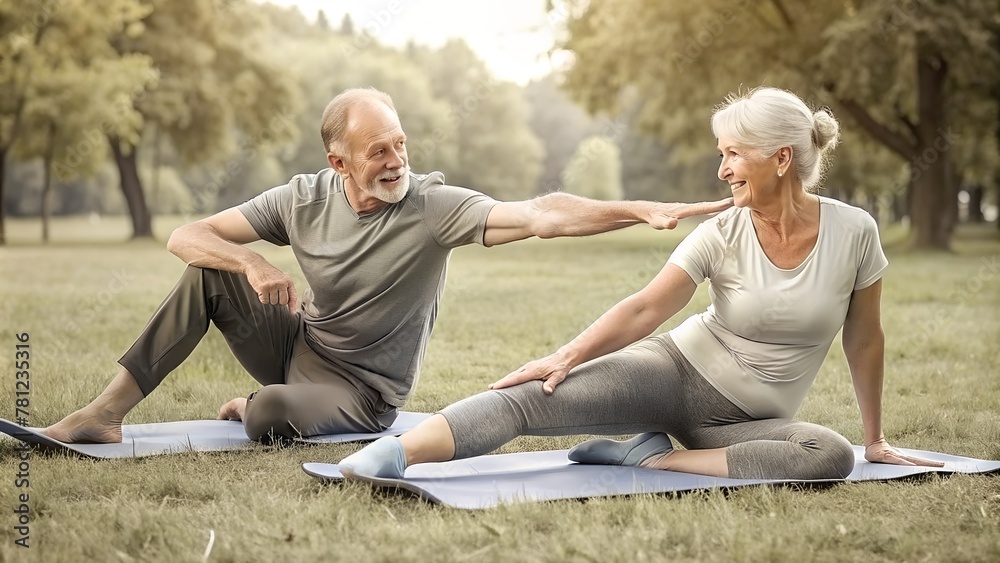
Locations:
560 214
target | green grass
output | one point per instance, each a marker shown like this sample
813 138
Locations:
85 297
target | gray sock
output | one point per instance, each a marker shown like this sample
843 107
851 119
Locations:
384 458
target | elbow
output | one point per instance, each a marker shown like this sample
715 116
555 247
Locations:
856 343
549 219
179 239
174 243
543 228
646 317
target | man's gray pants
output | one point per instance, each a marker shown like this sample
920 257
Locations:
303 394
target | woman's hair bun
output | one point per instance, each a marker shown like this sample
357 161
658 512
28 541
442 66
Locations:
825 130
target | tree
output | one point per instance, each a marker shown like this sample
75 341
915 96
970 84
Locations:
347 26
891 67
560 124
69 113
595 170
68 87
217 80
321 21
496 151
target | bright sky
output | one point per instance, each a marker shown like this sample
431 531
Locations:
511 36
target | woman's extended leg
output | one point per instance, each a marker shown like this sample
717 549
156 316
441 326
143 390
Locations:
631 390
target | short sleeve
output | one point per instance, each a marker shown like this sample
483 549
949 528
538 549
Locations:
456 216
269 214
871 259
700 253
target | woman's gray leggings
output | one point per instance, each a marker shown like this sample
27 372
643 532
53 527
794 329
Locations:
650 386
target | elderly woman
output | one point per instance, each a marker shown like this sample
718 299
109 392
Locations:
788 270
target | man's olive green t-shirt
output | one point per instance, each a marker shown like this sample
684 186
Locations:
375 280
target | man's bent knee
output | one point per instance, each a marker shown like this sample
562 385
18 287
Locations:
268 414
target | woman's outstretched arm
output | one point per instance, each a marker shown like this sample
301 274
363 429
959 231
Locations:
864 346
633 318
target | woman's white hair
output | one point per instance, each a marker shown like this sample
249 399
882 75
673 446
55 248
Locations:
766 119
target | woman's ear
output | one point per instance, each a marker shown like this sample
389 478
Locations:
784 160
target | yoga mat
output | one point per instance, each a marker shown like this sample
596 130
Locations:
486 481
403 423
141 440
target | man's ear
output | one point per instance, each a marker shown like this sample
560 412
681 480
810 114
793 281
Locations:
338 163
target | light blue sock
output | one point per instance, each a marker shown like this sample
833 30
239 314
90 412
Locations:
383 458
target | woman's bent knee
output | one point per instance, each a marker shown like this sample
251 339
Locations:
835 459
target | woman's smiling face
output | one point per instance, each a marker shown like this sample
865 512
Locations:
751 178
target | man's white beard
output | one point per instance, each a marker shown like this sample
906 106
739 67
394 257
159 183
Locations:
391 195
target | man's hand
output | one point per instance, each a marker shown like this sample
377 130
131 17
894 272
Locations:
233 410
551 369
665 215
881 452
272 285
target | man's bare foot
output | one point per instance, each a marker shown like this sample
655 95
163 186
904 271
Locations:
87 426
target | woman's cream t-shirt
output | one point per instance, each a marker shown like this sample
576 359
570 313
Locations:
762 340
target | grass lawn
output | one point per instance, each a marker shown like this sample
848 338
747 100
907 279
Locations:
84 298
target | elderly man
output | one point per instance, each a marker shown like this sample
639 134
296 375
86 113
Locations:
373 241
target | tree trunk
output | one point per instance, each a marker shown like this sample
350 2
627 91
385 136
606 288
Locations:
898 206
3 212
930 212
156 171
47 159
128 170
952 187
46 196
976 204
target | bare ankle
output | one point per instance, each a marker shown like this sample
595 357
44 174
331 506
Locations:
658 461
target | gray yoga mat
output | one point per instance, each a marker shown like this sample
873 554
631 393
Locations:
141 440
486 481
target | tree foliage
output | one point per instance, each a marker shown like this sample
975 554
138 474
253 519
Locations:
560 124
496 151
217 78
595 170
889 68
64 85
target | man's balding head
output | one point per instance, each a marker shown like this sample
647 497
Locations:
337 115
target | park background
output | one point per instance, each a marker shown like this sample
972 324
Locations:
123 119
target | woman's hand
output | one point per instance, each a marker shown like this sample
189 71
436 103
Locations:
881 452
551 369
